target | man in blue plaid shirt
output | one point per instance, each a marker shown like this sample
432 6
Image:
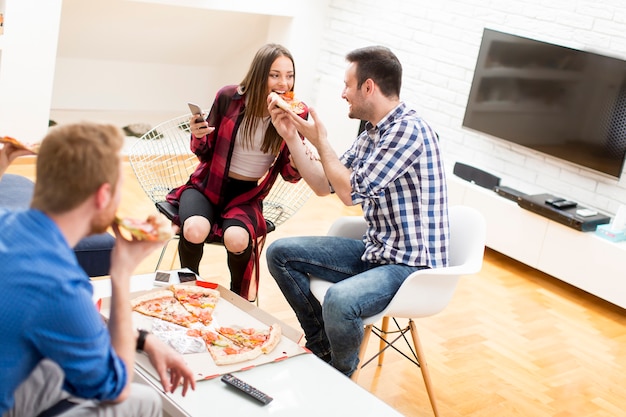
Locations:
395 172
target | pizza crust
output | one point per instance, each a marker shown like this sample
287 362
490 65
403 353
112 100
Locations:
195 290
235 357
273 339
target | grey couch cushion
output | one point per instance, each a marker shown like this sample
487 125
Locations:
93 252
15 191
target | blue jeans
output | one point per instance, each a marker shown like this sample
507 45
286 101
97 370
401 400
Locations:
333 331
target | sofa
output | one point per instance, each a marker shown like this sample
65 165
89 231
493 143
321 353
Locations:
93 252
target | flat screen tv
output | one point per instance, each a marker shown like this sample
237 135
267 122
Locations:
564 102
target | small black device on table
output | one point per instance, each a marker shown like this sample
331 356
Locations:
561 203
233 381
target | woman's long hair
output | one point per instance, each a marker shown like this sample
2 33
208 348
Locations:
254 86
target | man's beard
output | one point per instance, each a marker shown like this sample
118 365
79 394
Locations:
101 222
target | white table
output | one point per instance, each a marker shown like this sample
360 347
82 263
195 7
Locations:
301 386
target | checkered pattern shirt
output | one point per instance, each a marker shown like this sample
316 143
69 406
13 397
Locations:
398 178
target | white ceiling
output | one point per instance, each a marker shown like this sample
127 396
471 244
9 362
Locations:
122 30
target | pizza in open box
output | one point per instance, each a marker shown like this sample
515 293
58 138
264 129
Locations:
163 305
199 301
192 306
223 350
265 339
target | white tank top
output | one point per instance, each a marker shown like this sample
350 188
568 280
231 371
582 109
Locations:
249 161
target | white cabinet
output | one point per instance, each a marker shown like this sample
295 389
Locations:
586 261
581 259
27 61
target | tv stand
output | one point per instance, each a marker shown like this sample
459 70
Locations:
562 211
581 259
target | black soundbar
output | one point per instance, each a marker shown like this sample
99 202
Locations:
475 175
508 192
568 217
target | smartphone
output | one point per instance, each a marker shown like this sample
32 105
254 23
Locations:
162 278
195 109
186 276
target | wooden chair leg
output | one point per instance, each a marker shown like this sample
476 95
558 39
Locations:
383 337
366 337
424 367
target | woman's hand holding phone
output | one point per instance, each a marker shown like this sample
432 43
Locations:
197 125
196 111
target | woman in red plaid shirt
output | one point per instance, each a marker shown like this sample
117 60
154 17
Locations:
241 156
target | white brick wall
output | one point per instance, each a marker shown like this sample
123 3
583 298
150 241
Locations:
438 42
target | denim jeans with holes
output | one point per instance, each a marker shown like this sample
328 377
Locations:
333 330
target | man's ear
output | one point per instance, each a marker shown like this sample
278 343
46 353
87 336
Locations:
369 85
103 195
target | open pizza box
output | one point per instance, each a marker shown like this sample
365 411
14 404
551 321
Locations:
231 311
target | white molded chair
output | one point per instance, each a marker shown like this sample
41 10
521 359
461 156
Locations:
425 292
162 160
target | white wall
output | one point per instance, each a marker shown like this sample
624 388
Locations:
27 57
438 43
115 73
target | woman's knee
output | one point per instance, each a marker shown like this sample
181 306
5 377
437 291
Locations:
196 229
236 239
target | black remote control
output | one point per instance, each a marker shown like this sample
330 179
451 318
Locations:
232 380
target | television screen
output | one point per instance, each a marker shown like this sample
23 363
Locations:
564 102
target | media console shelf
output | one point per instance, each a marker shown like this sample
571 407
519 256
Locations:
581 259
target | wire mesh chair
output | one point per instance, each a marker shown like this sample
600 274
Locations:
162 160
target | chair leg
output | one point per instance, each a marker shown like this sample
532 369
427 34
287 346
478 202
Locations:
174 258
424 367
163 254
383 337
366 337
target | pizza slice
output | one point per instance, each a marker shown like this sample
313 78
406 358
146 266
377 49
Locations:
223 350
20 145
199 301
155 228
289 102
163 305
265 339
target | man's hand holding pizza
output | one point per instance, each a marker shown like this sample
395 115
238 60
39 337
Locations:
281 118
284 121
314 130
135 240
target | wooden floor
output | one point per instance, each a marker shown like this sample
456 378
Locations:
513 341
